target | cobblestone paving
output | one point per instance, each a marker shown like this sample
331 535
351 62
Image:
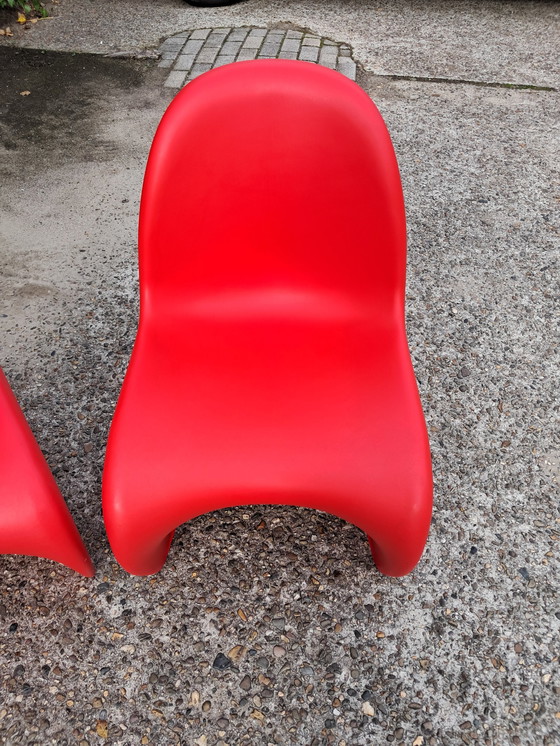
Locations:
192 53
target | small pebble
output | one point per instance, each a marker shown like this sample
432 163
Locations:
221 662
367 709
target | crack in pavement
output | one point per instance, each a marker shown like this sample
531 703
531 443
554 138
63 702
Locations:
463 81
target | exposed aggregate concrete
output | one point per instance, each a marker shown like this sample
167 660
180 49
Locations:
270 625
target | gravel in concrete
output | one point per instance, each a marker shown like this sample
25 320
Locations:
270 625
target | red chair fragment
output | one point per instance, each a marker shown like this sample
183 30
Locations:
34 518
271 362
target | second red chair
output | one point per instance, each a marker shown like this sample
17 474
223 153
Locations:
34 518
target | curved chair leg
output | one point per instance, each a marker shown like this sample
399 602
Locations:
139 553
140 526
397 553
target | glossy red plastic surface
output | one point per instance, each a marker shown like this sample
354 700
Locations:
34 518
271 362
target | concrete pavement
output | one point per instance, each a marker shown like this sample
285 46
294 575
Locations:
492 41
319 648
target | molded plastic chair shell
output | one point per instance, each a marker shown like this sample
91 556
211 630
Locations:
34 518
271 363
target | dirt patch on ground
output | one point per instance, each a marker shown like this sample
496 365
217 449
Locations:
49 101
72 154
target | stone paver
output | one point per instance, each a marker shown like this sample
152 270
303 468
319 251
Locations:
190 54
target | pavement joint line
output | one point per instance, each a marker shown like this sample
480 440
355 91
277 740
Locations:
187 55
465 81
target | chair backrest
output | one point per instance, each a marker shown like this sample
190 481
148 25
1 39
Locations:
277 177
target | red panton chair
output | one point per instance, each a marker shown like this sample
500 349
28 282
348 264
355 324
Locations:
34 518
271 362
